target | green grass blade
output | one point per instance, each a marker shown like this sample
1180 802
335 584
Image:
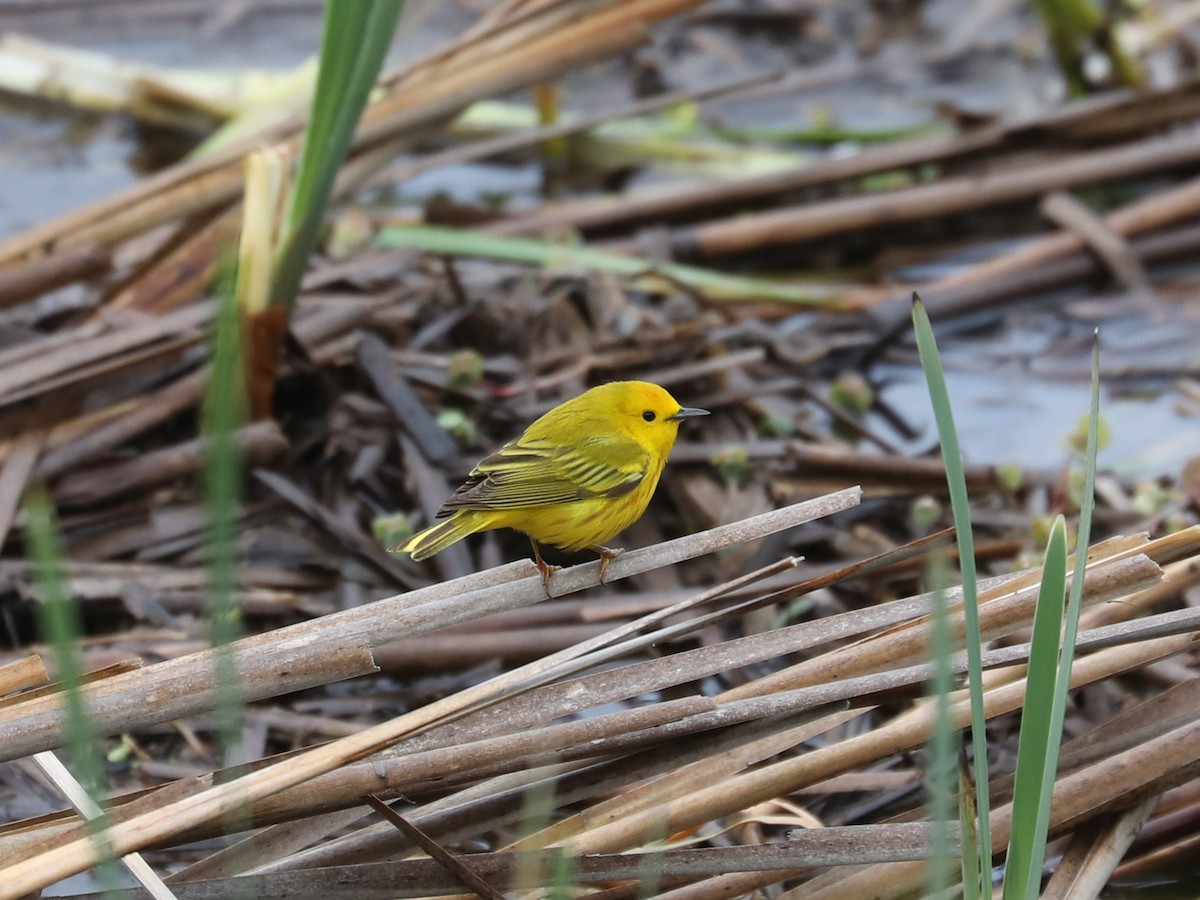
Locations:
1073 27
942 754
650 871
356 37
1070 625
1082 541
1049 678
960 505
224 411
642 273
1037 749
973 870
562 878
61 628
537 812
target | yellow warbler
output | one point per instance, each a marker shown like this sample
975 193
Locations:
579 475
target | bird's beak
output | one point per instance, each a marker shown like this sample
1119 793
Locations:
687 413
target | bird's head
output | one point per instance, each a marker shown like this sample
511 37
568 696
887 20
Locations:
646 412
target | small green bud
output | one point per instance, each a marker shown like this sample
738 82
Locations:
392 529
924 512
1149 498
732 464
1175 522
1039 530
1077 439
852 394
1011 476
122 751
465 369
685 115
821 119
772 426
350 232
456 422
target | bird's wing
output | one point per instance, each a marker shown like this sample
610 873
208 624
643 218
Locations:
531 472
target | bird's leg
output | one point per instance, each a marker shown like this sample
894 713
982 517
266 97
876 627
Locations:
542 566
607 555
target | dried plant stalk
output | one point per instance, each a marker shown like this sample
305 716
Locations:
27 672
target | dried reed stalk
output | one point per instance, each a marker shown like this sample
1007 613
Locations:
23 673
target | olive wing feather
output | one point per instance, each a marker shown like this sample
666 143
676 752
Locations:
534 472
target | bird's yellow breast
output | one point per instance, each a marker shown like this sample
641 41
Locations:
581 523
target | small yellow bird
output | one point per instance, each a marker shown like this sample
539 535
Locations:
579 475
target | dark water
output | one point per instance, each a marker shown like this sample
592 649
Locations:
1009 414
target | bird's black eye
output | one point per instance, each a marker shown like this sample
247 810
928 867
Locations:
648 415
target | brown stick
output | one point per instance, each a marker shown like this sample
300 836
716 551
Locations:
437 652
458 756
665 206
71 357
21 674
175 398
626 731
1109 117
43 690
421 95
1115 783
906 732
948 196
453 866
45 868
1071 214
292 658
831 846
994 284
22 283
258 443
14 476
530 137
1158 210
927 473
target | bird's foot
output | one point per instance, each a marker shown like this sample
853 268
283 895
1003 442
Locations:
547 570
544 567
607 555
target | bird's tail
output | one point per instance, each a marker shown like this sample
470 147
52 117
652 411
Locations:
437 538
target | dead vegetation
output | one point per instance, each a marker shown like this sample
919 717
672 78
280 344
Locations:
752 720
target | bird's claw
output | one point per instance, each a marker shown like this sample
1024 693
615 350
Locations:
607 555
544 567
547 570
